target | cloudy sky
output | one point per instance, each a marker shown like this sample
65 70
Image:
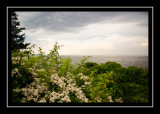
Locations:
87 33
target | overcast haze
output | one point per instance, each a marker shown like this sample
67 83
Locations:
87 33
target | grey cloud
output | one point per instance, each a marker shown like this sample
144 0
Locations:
73 21
58 21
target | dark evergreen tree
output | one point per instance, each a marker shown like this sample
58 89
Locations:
17 38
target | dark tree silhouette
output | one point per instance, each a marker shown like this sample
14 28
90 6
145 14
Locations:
17 38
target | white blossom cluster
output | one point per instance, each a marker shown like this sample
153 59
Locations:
32 71
23 60
119 100
18 59
98 99
40 70
110 99
67 85
15 60
87 80
58 80
32 91
15 71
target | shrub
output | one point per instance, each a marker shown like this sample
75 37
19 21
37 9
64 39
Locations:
90 64
131 84
58 89
108 66
112 66
51 78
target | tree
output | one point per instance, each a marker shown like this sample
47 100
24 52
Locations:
17 38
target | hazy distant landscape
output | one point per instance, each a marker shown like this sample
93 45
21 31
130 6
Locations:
125 61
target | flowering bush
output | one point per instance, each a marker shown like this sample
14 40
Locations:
53 79
56 89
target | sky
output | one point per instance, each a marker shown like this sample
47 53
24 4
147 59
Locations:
87 33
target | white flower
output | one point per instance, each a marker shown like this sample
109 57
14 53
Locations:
40 70
62 78
83 86
70 81
110 99
66 92
85 100
24 58
119 100
23 100
21 52
84 77
29 97
13 72
35 74
66 99
52 99
61 95
41 89
16 90
31 69
23 89
13 58
35 92
42 100
55 95
16 70
62 85
87 83
18 75
18 58
43 79
80 74
22 63
98 99
13 62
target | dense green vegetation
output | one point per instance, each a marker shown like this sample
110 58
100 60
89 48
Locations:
52 79
131 84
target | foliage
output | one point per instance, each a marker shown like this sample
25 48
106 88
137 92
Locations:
90 64
108 66
129 82
51 78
